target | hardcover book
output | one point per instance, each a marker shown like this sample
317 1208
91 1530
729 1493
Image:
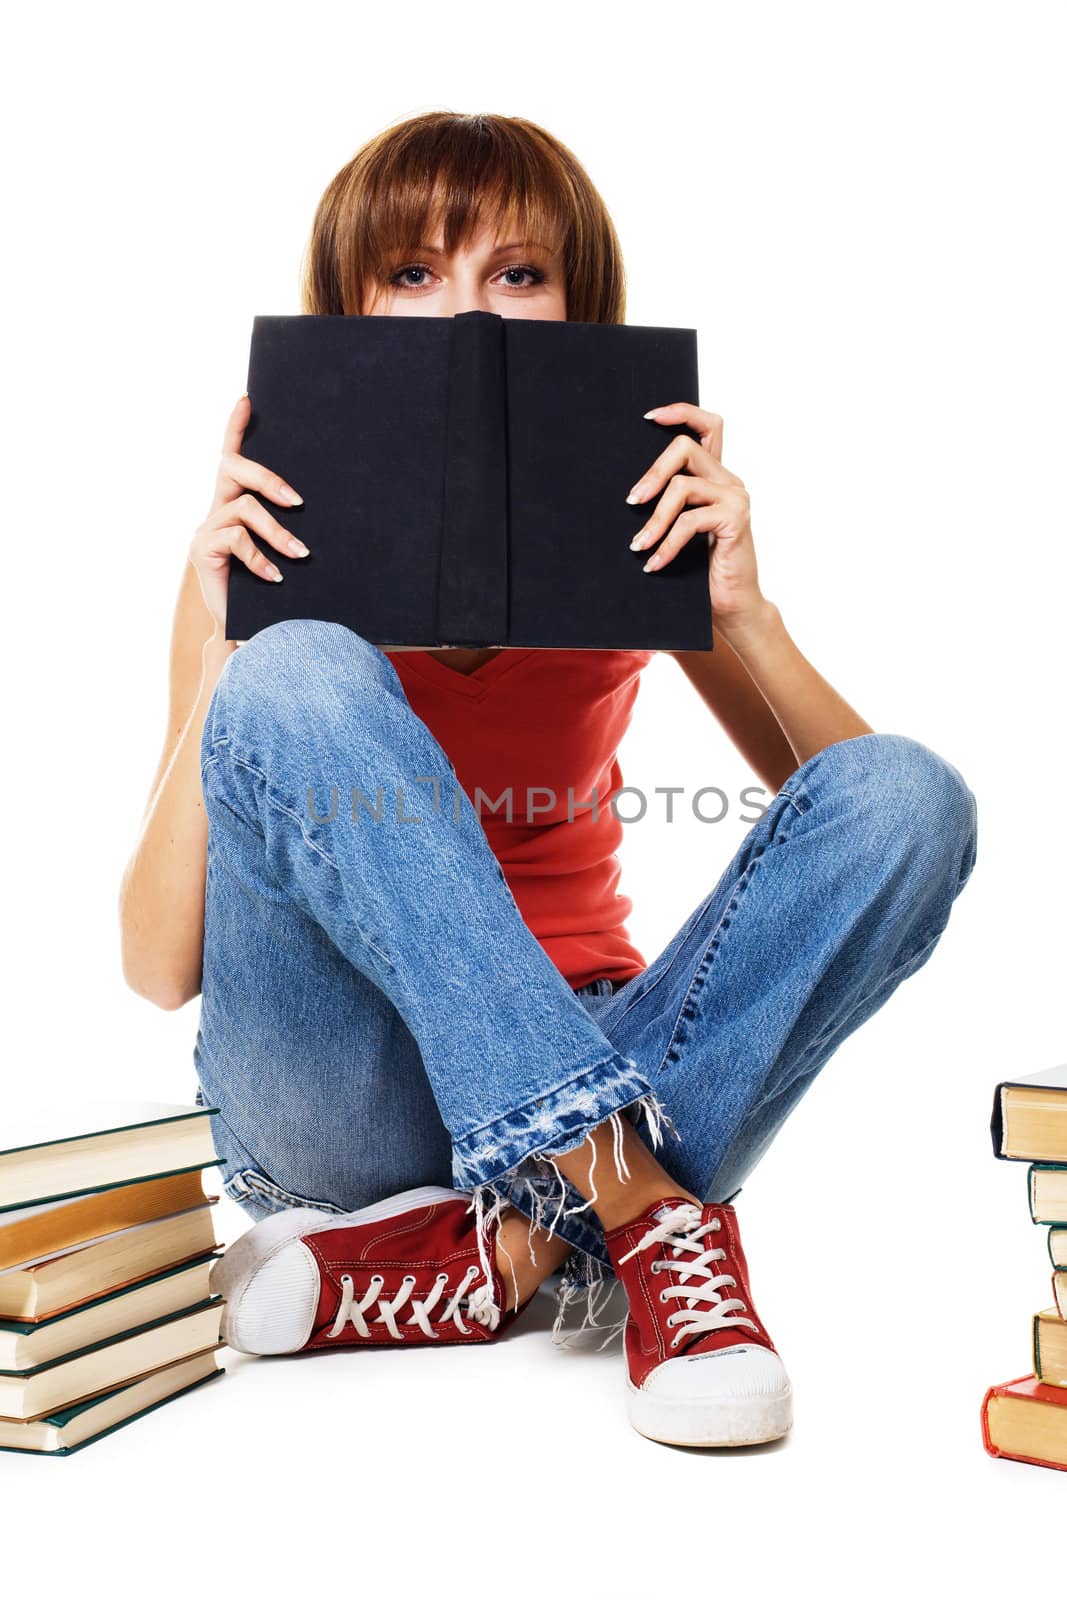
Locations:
29 1233
38 1391
1047 1192
465 478
1027 1421
1029 1118
63 1432
58 1151
28 1344
1049 1340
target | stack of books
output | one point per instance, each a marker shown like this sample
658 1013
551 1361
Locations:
107 1242
1026 1418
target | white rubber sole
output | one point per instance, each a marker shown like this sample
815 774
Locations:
756 1419
235 1272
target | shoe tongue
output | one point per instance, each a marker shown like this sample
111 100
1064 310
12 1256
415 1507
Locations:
662 1209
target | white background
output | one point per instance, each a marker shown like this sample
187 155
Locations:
859 207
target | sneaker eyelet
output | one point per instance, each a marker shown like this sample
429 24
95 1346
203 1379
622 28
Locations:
409 1278
442 1277
346 1277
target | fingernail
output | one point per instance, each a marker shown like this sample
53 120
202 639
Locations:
290 496
651 564
638 540
274 574
297 547
636 494
654 412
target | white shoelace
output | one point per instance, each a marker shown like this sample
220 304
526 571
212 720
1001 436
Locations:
705 1309
480 1306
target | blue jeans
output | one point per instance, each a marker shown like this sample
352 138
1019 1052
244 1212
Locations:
375 1013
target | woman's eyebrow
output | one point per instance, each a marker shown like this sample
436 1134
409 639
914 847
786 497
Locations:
516 244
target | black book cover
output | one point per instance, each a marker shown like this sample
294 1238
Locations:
465 480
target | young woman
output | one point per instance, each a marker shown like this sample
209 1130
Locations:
441 1068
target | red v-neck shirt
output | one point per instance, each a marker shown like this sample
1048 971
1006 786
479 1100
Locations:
525 722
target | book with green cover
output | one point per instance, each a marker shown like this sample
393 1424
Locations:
52 1385
63 1431
27 1345
1047 1191
55 1151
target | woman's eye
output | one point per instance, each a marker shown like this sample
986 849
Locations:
401 273
402 277
531 272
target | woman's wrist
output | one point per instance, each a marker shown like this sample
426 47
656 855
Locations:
750 629
213 658
218 646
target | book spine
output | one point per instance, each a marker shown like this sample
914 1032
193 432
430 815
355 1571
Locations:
996 1122
472 586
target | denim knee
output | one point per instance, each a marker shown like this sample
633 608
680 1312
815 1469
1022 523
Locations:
913 798
297 672
301 650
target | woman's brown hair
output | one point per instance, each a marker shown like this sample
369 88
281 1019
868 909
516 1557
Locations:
457 172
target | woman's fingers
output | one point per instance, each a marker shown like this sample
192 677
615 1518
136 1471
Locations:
247 512
248 552
236 423
237 472
718 507
708 424
683 454
251 475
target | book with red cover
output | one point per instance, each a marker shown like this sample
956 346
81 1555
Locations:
1007 1398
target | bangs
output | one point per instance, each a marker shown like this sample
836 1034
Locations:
433 190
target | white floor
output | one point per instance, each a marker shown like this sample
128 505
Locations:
511 1469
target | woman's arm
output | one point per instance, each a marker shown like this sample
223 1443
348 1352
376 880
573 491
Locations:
161 900
768 698
774 705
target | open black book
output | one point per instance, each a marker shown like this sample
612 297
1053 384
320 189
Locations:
465 481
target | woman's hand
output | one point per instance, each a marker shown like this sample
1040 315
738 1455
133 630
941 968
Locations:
692 474
224 531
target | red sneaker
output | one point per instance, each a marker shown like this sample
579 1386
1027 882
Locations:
404 1271
702 1368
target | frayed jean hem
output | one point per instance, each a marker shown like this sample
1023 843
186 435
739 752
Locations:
558 1121
512 1161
